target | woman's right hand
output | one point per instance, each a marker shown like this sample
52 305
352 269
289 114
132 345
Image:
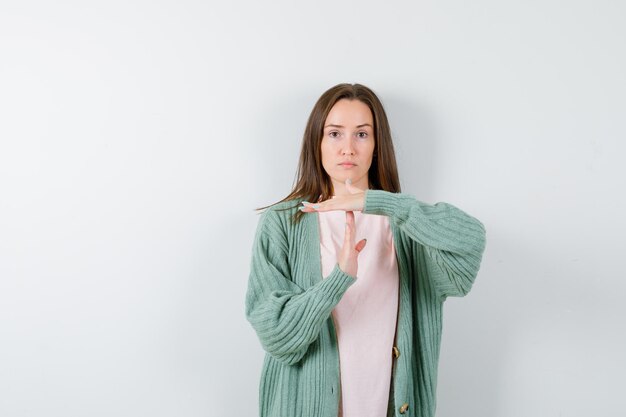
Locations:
349 253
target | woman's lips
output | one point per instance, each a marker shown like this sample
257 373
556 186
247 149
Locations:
347 165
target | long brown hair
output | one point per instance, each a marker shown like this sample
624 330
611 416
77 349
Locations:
312 181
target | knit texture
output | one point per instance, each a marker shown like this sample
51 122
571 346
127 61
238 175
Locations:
288 303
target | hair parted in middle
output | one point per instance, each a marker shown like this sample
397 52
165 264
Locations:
312 182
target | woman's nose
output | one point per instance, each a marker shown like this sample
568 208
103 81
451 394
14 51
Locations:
348 149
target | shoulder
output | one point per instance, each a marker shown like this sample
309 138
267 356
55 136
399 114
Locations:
290 206
279 216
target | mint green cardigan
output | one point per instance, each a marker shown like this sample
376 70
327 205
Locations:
288 303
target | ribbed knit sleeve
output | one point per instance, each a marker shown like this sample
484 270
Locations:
286 317
452 240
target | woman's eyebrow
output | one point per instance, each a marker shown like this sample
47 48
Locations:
332 125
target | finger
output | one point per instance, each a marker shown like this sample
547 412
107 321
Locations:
347 239
351 227
309 207
350 218
306 209
359 246
326 205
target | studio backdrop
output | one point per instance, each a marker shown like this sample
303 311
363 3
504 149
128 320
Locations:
137 137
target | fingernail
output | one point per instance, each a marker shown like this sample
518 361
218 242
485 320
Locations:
316 206
349 181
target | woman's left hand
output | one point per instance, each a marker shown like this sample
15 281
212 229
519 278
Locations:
349 202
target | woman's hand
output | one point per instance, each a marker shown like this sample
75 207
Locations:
347 258
349 253
350 202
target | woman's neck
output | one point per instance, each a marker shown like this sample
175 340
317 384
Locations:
339 188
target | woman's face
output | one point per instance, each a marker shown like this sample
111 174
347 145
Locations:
348 144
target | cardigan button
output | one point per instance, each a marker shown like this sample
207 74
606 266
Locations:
403 409
396 352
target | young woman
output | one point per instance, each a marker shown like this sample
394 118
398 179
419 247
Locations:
348 275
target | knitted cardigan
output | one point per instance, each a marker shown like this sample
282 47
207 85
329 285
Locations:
288 303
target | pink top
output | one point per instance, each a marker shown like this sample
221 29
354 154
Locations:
365 317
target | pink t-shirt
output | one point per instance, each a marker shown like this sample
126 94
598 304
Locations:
365 317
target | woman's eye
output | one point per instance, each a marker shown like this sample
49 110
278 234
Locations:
333 134
362 135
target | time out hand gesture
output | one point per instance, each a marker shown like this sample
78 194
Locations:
349 202
347 258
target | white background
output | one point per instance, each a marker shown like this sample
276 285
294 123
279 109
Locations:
137 137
